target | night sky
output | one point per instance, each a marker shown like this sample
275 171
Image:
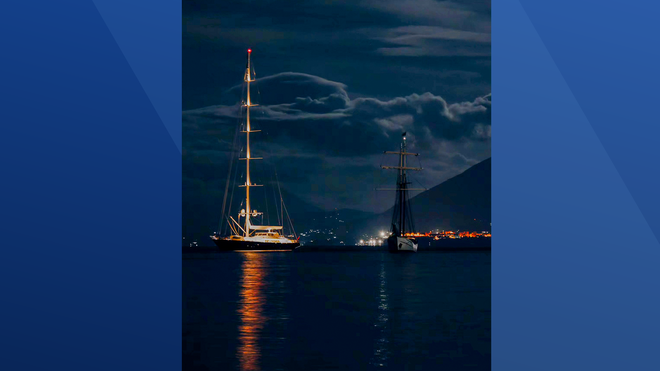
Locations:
338 83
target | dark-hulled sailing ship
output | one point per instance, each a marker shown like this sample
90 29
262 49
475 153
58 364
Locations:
402 219
246 235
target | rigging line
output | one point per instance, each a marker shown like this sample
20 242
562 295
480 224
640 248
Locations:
227 211
277 210
231 164
254 72
277 181
270 155
239 208
239 126
415 177
419 161
420 183
409 213
267 210
380 175
271 182
282 207
233 188
233 229
290 222
241 101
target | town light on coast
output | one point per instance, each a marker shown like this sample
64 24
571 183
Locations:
378 238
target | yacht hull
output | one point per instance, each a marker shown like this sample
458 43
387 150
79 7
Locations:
229 245
400 244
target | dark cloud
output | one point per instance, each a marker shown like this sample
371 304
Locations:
460 15
442 47
328 147
288 87
424 40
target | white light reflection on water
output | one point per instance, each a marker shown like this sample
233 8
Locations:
381 351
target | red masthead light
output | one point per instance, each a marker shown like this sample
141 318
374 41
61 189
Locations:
249 50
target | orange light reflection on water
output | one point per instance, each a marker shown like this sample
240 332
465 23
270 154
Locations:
250 311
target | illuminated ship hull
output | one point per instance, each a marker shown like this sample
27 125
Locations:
228 244
401 244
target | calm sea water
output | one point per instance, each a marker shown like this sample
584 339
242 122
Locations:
336 311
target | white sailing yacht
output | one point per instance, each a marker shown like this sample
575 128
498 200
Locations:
248 236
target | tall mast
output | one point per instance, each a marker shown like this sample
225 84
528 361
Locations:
402 184
247 159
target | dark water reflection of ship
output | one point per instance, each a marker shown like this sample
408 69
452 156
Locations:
381 349
395 313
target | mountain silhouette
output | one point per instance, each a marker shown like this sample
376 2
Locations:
460 203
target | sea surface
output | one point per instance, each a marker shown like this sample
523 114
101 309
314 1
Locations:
336 310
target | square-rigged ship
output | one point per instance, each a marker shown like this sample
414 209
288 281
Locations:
402 219
248 236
